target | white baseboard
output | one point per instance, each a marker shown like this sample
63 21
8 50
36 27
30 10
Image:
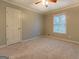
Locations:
2 46
66 40
37 37
31 38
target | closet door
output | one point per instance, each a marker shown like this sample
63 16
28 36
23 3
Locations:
13 25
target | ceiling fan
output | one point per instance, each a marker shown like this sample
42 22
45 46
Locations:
45 2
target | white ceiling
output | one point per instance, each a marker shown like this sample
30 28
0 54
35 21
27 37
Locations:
29 4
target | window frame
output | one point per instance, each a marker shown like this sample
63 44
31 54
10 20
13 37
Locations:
64 24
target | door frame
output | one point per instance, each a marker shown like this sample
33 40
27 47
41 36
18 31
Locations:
6 26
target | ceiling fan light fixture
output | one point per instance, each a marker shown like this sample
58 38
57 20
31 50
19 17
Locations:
45 3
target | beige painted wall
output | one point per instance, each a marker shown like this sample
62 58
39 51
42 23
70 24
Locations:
32 23
72 15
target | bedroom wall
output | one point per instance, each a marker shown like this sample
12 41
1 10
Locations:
32 22
72 17
32 25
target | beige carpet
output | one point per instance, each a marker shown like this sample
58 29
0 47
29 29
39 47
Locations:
42 48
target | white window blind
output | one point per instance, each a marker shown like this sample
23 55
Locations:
59 24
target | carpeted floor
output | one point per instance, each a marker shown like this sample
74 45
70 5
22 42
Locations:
42 48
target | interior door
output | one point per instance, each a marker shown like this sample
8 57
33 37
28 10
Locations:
13 25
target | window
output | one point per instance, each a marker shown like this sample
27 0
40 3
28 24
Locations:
59 24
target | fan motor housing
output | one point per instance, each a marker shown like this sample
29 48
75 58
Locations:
53 1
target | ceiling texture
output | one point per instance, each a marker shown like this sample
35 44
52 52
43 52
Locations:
40 8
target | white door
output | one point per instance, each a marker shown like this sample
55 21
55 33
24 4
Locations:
13 25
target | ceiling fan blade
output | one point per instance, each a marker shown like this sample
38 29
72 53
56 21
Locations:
48 1
53 1
38 2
